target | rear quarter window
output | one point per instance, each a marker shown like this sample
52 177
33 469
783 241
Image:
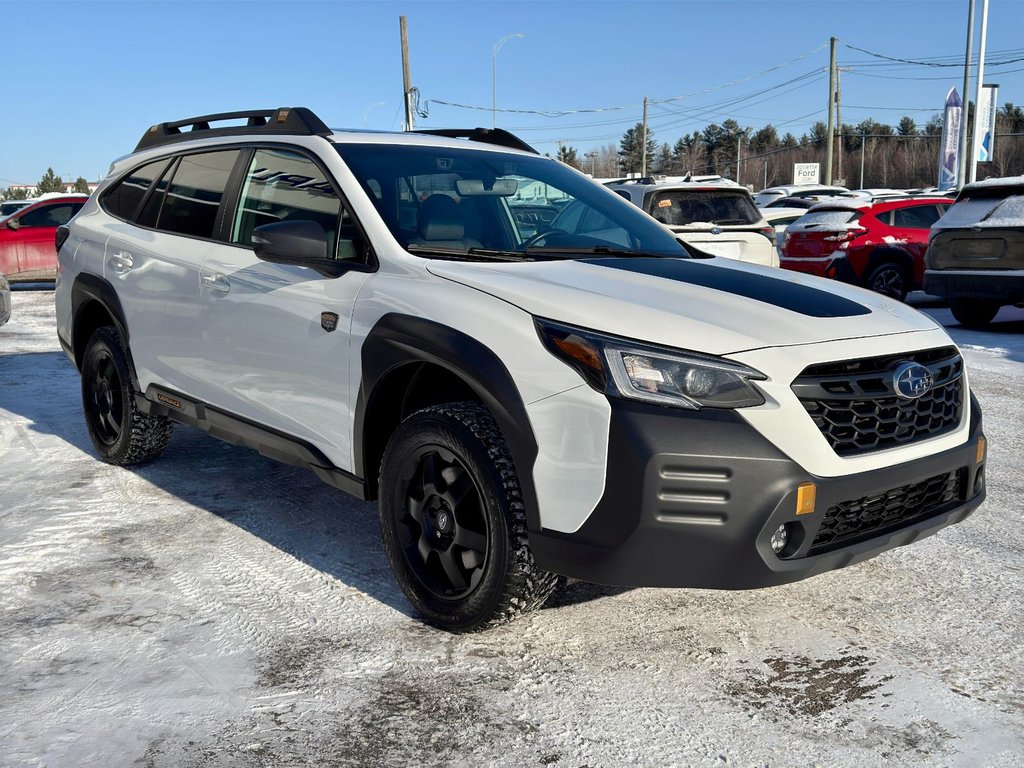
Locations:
124 197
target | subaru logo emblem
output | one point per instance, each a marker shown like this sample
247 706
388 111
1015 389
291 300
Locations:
716 230
911 380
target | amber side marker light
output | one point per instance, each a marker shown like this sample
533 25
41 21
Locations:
981 451
805 493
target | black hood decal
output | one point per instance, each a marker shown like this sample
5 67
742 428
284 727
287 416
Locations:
779 293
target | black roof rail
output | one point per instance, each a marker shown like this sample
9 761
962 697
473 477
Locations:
293 121
497 136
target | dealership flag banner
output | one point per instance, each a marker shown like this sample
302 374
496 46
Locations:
949 148
985 132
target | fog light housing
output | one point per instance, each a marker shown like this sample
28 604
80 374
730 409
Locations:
780 538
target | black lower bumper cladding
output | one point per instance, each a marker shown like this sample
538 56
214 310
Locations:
692 500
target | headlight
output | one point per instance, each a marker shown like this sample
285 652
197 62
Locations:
623 368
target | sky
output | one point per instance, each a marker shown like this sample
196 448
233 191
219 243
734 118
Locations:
83 80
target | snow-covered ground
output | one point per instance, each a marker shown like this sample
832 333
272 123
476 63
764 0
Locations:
218 609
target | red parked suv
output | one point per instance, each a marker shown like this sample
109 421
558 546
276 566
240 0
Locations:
880 246
27 250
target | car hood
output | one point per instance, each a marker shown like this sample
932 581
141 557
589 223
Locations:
717 306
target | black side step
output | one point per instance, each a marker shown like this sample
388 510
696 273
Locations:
238 431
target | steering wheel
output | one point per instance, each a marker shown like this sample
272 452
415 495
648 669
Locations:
541 235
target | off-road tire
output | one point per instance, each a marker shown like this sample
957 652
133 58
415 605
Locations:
974 313
890 279
510 584
120 432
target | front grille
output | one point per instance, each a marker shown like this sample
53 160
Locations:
854 404
850 521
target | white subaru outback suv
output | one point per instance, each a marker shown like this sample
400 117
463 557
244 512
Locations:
523 406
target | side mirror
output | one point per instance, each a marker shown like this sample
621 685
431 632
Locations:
300 242
13 224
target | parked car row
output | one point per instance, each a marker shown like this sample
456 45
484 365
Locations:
969 250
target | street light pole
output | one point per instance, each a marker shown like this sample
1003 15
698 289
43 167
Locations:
494 76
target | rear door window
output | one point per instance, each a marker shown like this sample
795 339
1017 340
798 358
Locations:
915 217
193 196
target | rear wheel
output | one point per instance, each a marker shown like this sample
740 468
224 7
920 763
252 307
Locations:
453 520
890 279
120 432
974 313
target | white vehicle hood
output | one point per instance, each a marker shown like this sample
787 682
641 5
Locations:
717 306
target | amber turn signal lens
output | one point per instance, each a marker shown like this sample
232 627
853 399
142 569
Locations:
805 493
981 451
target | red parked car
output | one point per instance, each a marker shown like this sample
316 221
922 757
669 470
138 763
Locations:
880 246
27 250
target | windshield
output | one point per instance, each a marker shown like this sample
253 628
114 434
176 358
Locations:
444 201
679 207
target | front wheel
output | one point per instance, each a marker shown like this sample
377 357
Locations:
974 313
453 521
120 432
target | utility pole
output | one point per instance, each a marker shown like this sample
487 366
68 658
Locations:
979 129
863 141
831 105
739 142
643 151
406 78
839 124
962 166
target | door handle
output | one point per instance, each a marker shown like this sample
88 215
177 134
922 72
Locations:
121 262
216 282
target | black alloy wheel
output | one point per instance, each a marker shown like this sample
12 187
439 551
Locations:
104 398
443 531
453 520
120 432
890 280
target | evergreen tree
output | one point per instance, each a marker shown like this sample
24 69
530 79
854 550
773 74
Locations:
631 148
49 183
907 126
81 185
15 194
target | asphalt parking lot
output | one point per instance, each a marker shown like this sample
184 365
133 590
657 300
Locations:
217 609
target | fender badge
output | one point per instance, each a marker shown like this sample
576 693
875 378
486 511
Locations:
328 321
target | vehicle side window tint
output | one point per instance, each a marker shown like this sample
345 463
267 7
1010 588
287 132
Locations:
281 185
49 215
885 217
916 217
151 208
194 194
123 198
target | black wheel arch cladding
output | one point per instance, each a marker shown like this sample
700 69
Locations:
398 340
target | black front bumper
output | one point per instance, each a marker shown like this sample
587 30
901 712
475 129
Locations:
1005 287
692 499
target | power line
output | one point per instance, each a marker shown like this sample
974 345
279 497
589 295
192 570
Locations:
935 62
591 110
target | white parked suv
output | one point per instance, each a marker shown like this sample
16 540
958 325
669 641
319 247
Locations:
717 218
599 405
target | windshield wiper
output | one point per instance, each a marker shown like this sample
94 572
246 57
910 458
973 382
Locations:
469 254
599 250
